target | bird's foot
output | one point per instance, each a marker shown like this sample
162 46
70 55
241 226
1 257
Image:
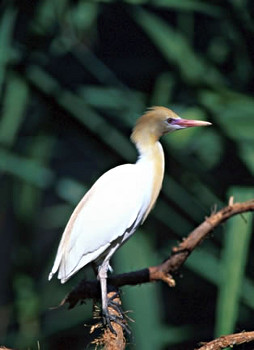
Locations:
115 305
114 314
109 318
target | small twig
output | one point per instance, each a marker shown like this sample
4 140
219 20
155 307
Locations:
244 218
231 201
214 209
228 341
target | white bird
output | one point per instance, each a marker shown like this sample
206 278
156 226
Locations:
118 202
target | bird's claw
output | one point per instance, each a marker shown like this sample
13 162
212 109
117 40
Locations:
108 318
115 306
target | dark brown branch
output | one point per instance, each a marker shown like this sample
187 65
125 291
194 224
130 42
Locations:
184 249
91 289
228 341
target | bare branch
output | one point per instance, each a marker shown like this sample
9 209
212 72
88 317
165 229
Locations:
163 271
228 341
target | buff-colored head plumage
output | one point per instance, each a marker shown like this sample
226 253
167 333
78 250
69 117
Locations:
152 125
156 122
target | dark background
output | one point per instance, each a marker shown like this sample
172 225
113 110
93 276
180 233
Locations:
74 77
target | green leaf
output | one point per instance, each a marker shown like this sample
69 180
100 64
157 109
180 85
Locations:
26 169
27 308
189 5
176 49
234 257
209 272
234 113
15 102
6 28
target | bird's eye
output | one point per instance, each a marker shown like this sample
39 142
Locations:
169 120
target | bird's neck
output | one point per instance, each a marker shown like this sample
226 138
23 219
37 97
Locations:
147 143
151 156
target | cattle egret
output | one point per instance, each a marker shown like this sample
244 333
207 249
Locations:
117 203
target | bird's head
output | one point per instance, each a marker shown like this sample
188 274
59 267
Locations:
158 121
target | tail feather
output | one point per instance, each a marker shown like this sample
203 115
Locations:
67 268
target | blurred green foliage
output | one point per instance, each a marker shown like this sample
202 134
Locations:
74 77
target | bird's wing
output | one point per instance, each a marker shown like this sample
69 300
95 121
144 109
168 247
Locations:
118 199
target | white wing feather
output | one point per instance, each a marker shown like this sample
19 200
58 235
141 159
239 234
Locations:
118 198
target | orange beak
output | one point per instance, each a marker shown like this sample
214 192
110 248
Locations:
187 123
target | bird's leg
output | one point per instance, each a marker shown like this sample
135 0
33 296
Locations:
102 275
106 302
